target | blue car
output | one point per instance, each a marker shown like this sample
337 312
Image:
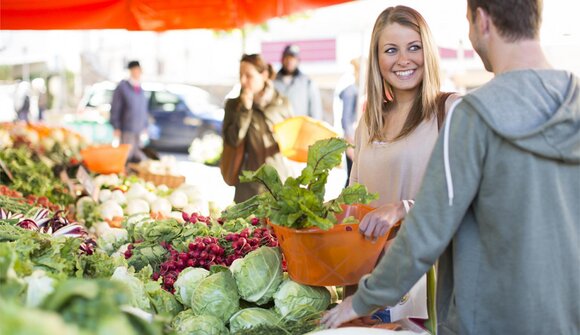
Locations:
178 113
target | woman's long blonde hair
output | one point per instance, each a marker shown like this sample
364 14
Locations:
379 91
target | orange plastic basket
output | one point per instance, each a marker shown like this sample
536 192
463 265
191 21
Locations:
296 134
339 256
106 159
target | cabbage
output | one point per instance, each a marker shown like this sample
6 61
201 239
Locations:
294 301
216 295
139 298
252 317
200 325
39 287
17 320
187 281
180 317
259 274
163 302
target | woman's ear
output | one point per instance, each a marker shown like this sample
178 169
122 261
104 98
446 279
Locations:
266 75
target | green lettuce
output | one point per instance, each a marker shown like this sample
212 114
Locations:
163 302
216 295
186 283
253 317
136 287
295 301
259 274
200 325
17 320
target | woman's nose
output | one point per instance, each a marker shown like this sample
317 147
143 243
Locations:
403 60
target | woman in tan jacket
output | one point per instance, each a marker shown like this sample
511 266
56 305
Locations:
250 118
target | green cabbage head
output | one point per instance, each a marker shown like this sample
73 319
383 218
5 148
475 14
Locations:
294 301
135 286
216 295
201 325
259 274
186 282
251 317
163 302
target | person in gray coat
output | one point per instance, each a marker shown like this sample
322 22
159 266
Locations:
499 204
298 87
129 112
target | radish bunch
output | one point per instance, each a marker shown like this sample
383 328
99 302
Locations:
206 251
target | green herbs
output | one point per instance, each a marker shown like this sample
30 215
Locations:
30 175
299 202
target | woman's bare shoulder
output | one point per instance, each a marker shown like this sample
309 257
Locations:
450 100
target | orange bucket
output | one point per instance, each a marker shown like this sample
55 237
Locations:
106 159
336 257
296 134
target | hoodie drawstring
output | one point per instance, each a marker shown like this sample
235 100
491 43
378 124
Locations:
448 178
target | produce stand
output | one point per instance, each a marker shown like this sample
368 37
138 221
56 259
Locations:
123 251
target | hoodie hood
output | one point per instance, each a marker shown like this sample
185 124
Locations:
536 110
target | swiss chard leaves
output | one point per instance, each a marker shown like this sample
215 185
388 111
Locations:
299 202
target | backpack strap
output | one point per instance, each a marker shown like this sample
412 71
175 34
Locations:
441 99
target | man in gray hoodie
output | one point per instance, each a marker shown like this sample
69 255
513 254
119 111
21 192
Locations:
499 205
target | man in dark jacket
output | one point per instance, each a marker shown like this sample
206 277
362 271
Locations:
297 87
498 205
129 115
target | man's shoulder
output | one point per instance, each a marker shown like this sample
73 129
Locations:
122 83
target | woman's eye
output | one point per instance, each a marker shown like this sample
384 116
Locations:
390 51
415 47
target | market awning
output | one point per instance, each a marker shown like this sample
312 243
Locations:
156 15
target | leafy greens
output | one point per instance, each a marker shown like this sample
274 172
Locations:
299 202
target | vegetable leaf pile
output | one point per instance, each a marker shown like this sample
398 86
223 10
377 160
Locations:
31 175
299 202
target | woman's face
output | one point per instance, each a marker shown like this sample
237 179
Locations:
401 59
251 80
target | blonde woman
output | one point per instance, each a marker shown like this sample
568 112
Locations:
404 111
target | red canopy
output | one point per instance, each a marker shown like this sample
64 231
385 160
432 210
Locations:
157 15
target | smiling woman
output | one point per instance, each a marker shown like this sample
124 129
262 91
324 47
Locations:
394 140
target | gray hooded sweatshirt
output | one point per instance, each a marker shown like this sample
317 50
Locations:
499 207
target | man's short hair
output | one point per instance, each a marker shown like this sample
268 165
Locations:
515 19
133 64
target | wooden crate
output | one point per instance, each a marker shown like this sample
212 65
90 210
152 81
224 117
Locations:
171 181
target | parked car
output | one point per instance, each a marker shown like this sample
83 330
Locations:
178 113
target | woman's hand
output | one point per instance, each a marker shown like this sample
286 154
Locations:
378 222
247 98
340 314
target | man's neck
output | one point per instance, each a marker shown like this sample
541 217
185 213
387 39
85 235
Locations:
521 55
